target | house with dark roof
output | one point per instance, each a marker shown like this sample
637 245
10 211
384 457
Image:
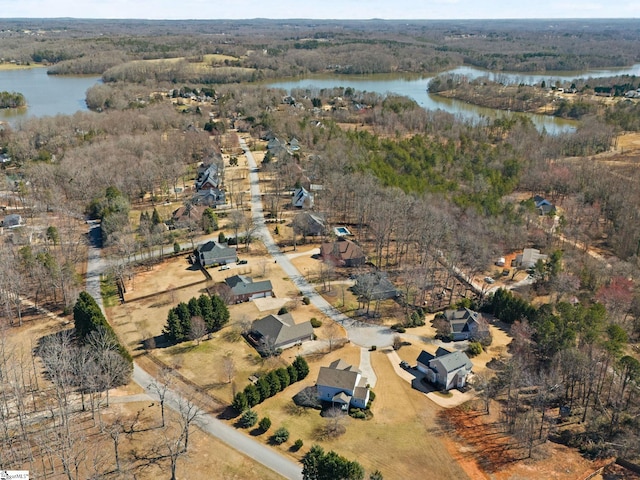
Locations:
211 197
342 384
302 198
213 253
543 206
309 224
279 332
342 253
374 286
465 324
210 177
447 369
244 289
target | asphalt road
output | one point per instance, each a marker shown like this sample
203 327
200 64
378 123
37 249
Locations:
270 458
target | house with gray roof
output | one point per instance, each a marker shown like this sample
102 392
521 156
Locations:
12 221
342 384
210 177
210 197
213 253
279 332
244 289
465 324
374 286
447 369
302 198
529 257
543 206
307 223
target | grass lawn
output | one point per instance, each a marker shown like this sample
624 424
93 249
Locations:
399 440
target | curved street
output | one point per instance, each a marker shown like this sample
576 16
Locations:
362 334
270 458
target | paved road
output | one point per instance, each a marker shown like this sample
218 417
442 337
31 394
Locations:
96 265
360 333
229 435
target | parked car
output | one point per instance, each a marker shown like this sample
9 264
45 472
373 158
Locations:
489 280
242 262
224 267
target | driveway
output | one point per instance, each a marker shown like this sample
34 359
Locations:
452 398
359 333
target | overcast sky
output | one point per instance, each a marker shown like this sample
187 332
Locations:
320 9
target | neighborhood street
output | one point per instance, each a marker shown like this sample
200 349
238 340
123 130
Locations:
268 457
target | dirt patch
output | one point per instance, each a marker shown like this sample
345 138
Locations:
485 451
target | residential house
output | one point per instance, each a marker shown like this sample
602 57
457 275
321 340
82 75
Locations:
211 197
302 198
309 224
375 286
447 369
294 145
528 258
12 221
213 253
543 206
210 177
342 384
244 289
279 332
466 324
342 253
187 215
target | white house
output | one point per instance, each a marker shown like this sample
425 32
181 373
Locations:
342 384
302 198
448 369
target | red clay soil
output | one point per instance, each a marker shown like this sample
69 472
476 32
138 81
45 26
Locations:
484 451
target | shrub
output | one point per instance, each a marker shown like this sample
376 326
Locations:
297 445
475 348
280 436
265 424
373 348
372 396
357 413
221 237
176 247
398 327
283 310
315 323
306 300
248 419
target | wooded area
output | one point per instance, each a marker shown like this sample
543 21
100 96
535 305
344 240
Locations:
427 195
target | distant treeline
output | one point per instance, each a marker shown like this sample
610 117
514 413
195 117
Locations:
12 100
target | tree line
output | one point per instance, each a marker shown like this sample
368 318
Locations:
194 319
269 384
12 100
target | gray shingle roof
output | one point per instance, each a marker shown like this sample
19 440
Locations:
281 329
243 285
454 360
339 374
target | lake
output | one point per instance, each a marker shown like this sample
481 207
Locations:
49 95
46 95
415 87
